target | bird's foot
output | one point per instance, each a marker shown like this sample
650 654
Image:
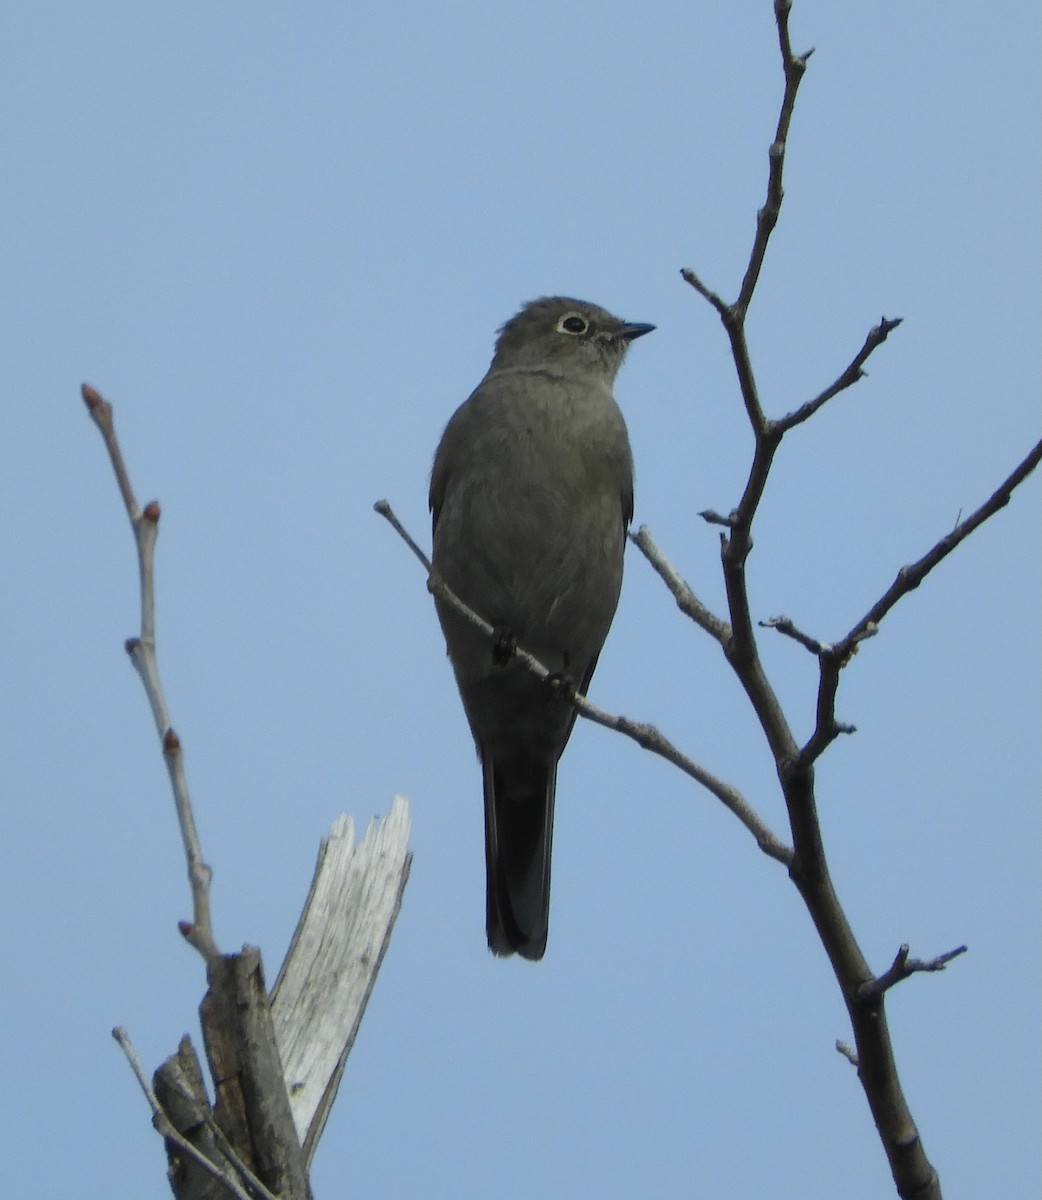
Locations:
504 645
561 686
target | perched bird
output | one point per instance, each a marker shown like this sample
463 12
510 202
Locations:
531 495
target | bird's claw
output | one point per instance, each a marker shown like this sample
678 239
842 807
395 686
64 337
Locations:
504 645
561 685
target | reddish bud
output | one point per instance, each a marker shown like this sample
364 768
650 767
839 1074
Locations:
151 512
171 742
91 397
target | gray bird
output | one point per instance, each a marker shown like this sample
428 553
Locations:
531 495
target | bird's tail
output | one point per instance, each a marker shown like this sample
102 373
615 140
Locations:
519 821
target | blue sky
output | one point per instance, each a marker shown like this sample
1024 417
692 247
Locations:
279 238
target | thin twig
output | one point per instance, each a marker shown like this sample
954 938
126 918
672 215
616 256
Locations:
794 67
848 1052
166 1128
101 414
718 302
853 372
901 968
784 625
836 657
681 590
142 650
646 736
385 511
712 517
909 577
733 315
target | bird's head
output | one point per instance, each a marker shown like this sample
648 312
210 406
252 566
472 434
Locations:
566 335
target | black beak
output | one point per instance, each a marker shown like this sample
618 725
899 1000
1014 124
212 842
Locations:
634 329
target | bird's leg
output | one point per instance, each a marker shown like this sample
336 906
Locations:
504 644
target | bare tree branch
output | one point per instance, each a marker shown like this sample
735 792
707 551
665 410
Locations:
901 968
687 601
736 543
785 626
912 1172
835 657
794 67
909 578
712 517
142 650
733 315
649 738
718 302
850 376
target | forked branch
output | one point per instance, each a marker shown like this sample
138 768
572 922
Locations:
833 658
863 991
902 968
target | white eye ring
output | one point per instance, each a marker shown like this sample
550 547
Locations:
573 323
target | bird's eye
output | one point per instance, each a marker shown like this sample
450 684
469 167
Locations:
573 323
